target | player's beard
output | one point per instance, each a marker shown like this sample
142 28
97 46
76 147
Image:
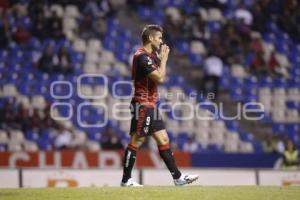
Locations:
156 50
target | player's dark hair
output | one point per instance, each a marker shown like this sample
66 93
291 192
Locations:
150 30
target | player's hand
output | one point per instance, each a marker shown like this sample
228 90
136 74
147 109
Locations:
164 52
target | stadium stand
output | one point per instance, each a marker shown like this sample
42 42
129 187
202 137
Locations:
40 67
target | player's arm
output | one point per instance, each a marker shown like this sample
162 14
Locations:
159 75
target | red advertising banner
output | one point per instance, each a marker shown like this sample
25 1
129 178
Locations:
85 159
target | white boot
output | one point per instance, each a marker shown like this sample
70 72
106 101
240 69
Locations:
185 179
131 183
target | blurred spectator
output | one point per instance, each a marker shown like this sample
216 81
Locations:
199 30
4 4
134 4
280 145
5 31
48 60
8 115
92 8
289 17
86 27
63 139
216 46
269 144
36 119
186 26
274 66
39 29
243 30
171 28
259 19
213 68
64 62
48 122
212 4
256 45
100 27
54 26
244 15
106 8
18 9
22 36
290 157
233 46
23 118
258 65
111 141
97 8
36 8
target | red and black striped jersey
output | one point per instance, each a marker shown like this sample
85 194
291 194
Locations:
145 90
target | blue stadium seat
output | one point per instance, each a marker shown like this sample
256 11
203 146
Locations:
181 139
77 57
44 145
214 26
231 125
236 94
269 37
3 54
163 3
265 82
157 16
214 148
267 118
94 136
182 46
47 136
247 137
292 128
3 147
278 128
124 91
293 83
279 83
273 27
258 148
31 135
195 59
292 105
144 12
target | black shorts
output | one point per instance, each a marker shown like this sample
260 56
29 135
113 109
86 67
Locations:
145 120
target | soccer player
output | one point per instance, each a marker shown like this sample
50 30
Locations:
148 71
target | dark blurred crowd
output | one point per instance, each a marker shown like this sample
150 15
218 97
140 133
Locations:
15 115
233 40
280 144
23 20
35 122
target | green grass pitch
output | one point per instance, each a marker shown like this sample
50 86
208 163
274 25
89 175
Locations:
152 193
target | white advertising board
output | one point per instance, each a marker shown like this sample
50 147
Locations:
9 178
279 178
73 178
206 177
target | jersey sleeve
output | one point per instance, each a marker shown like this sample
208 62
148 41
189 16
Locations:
145 65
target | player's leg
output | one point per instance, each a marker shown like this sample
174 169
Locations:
130 156
162 139
136 140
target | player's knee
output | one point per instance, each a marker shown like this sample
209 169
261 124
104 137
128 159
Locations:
165 140
140 140
137 141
